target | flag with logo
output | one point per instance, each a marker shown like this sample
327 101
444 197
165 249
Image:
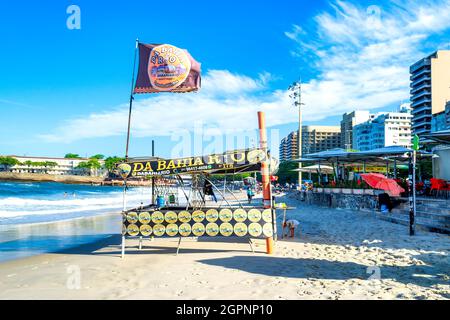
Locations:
166 68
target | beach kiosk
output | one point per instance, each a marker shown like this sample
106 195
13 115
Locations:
166 68
166 218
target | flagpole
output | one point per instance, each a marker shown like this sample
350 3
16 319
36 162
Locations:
128 142
131 98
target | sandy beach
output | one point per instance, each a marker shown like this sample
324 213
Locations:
338 255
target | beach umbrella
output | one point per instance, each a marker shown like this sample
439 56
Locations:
372 179
390 186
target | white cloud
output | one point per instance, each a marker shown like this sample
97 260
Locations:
361 57
227 101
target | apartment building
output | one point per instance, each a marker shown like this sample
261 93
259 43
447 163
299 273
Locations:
314 139
386 129
349 120
430 89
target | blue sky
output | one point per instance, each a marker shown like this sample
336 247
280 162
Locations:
66 90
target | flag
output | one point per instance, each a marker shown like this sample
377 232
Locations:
166 68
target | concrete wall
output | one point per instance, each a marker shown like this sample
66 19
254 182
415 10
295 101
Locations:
441 165
341 200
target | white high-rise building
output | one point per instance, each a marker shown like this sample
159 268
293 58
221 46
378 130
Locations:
349 120
386 129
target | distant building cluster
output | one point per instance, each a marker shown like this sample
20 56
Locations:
359 130
314 139
384 130
428 112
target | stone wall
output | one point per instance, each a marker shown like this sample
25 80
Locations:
341 200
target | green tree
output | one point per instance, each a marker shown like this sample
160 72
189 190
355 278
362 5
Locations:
72 156
110 162
92 165
98 157
8 162
50 164
28 163
285 173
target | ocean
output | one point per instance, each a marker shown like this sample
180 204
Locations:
50 201
44 217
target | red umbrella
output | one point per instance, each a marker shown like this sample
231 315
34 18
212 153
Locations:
373 178
390 186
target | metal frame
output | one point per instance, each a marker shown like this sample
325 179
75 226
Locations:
195 204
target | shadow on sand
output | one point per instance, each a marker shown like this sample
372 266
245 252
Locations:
326 270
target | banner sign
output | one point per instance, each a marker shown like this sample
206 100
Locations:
228 162
166 68
229 222
360 169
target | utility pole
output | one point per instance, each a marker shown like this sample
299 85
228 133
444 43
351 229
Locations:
153 178
412 185
296 95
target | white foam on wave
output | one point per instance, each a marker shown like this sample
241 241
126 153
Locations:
20 202
16 207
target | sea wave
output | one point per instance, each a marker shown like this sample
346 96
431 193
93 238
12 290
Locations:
15 207
60 202
21 202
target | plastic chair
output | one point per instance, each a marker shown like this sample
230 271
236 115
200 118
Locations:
439 187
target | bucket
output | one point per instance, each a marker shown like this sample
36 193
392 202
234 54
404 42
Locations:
160 202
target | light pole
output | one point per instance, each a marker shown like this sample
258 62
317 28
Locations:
296 94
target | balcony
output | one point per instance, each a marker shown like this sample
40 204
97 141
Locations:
421 109
419 73
419 64
418 125
426 85
418 81
420 102
421 116
420 94
420 131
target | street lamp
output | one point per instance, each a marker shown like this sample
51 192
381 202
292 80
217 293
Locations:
295 94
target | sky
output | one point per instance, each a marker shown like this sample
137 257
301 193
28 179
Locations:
67 90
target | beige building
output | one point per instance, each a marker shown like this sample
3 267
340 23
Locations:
314 139
289 147
320 138
430 89
57 166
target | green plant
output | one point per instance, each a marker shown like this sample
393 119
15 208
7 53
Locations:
9 162
90 164
286 173
97 156
110 162
72 156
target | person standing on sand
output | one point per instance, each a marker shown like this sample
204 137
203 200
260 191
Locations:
208 189
250 194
